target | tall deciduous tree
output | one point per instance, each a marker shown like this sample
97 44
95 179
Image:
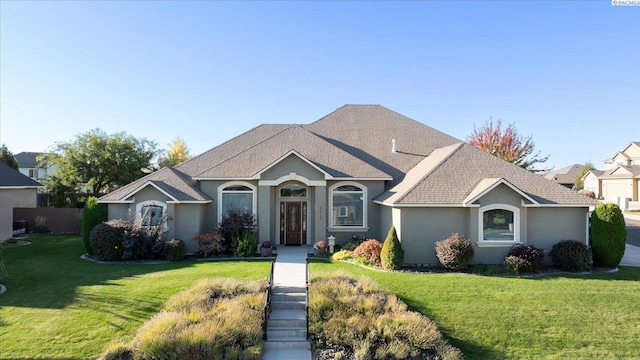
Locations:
96 163
578 183
7 157
506 144
177 153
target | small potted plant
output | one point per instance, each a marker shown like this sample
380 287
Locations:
266 249
319 247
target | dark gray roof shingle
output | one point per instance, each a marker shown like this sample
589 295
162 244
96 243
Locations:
10 177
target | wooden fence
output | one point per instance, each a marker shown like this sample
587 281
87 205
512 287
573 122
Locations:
47 219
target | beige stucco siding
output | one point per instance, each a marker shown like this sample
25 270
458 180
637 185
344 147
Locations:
548 226
13 198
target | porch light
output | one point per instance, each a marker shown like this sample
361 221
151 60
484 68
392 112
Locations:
332 242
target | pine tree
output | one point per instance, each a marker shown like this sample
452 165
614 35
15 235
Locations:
392 254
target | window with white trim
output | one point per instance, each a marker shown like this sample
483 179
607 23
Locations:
348 205
236 196
152 213
499 223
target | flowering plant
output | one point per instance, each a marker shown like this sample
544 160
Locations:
320 245
266 244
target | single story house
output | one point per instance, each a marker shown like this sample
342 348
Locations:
356 172
16 191
566 176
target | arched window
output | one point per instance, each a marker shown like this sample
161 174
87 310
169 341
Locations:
151 213
293 190
236 196
499 224
348 206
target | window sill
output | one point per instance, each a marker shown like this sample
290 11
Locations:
348 229
497 243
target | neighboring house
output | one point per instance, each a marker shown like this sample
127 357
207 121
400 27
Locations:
592 183
566 176
619 182
16 191
28 165
356 172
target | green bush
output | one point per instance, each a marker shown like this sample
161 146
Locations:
454 252
392 255
350 245
524 259
92 215
608 235
571 255
175 250
342 255
106 240
245 245
370 250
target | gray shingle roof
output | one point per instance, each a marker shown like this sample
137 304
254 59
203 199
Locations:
621 172
566 175
27 159
172 182
459 174
10 177
355 141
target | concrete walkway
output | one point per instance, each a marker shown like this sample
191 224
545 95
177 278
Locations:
287 325
631 252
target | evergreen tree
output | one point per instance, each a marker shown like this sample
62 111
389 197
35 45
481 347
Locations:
392 254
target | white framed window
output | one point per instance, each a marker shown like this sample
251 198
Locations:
499 224
293 191
236 195
348 206
152 213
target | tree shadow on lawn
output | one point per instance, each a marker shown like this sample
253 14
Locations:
50 273
471 350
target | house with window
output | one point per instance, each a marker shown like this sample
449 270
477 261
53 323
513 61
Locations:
621 177
16 191
356 172
28 165
566 176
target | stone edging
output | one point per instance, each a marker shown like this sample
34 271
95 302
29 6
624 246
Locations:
85 256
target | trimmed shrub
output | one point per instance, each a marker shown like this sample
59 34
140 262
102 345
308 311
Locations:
245 245
350 245
106 240
392 255
92 215
210 244
524 259
454 252
175 250
571 255
608 235
342 255
370 250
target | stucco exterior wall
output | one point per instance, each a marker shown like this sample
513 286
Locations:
292 164
548 226
186 223
10 198
615 188
420 228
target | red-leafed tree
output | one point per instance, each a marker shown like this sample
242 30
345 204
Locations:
506 144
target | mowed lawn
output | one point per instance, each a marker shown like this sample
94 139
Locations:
551 317
59 306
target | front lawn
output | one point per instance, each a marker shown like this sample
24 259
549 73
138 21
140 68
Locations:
59 306
552 317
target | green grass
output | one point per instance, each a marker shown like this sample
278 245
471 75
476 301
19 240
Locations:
59 306
553 317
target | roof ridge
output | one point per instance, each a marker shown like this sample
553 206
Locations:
247 148
446 156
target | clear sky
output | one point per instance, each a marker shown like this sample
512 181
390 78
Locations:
567 73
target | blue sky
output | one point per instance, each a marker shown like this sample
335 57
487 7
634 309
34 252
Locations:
567 73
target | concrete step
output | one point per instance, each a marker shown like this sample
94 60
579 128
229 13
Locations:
288 323
293 296
287 354
279 289
278 332
289 314
288 305
287 343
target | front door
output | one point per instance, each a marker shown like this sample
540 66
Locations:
293 222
